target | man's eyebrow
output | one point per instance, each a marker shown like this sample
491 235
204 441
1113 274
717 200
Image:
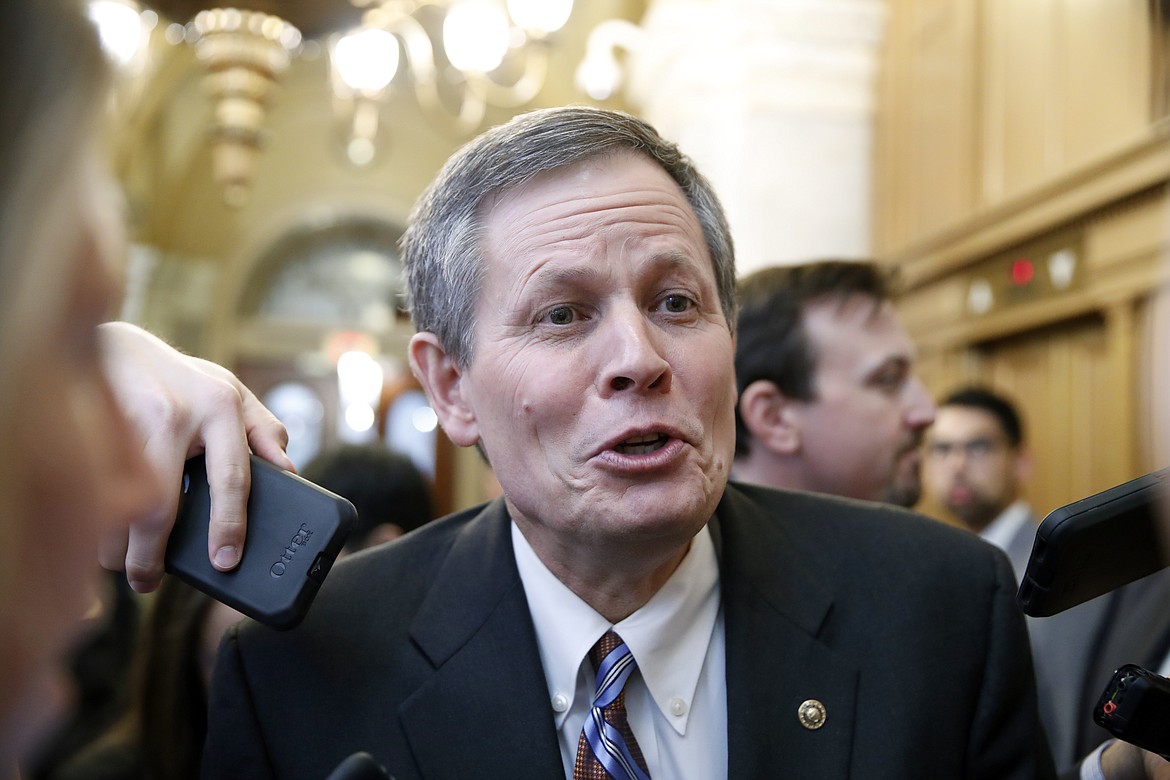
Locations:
559 276
672 259
546 279
900 361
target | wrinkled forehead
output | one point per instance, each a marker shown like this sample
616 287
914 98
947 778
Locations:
619 196
492 199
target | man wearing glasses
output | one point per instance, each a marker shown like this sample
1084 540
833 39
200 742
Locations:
976 466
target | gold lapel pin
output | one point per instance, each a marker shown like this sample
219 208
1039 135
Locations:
811 714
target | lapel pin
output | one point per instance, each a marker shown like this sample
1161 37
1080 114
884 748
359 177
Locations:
811 714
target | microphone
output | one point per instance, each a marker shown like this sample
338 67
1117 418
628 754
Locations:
359 766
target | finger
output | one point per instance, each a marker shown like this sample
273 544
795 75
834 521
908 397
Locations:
146 551
229 475
267 435
112 550
147 540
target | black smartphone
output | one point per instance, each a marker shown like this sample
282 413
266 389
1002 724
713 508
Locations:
1135 708
295 531
1094 545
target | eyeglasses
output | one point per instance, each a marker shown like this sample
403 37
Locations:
975 449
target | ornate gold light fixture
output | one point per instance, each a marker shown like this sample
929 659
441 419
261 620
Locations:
459 58
456 57
244 53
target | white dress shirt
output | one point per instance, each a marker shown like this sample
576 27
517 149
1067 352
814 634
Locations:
677 698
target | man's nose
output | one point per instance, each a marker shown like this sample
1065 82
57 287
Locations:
632 355
920 408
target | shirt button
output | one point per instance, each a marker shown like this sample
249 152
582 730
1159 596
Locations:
678 707
560 702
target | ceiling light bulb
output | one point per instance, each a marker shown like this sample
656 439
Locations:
540 16
366 60
119 28
475 36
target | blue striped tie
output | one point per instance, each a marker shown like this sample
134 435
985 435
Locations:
607 748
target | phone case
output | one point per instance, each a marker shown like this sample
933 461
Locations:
295 531
1094 545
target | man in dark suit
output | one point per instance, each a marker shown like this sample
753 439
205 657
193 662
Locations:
622 611
830 402
976 465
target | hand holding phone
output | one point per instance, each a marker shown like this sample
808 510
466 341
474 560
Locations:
295 531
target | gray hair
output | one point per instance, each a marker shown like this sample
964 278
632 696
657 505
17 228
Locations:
441 247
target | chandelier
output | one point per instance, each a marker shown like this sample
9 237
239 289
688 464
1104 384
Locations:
456 57
244 53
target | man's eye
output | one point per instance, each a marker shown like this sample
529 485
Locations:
891 379
677 304
561 315
979 448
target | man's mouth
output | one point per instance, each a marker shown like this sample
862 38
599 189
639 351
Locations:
640 445
959 495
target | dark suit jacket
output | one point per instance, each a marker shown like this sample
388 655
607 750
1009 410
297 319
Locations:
1134 629
423 653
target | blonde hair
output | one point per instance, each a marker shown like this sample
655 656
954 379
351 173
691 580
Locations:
50 106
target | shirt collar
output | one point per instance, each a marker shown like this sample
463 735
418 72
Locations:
1004 528
668 636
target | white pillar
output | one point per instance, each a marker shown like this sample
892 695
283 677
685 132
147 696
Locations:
774 100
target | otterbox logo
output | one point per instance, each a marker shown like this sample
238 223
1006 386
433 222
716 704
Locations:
300 539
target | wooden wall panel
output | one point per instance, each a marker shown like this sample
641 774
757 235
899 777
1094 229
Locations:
989 105
927 129
1104 67
942 119
1061 380
1051 116
1018 91
1153 381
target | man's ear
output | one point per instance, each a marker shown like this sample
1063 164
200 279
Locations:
770 417
442 381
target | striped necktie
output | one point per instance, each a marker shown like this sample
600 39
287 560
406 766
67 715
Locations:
607 748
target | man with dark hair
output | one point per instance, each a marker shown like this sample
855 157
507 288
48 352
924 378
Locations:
390 494
976 466
828 398
622 611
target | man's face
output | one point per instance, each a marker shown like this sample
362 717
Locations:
859 435
602 383
971 468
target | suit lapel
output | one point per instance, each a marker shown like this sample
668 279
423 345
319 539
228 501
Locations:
477 716
773 599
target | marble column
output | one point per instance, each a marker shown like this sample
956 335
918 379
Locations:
774 100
